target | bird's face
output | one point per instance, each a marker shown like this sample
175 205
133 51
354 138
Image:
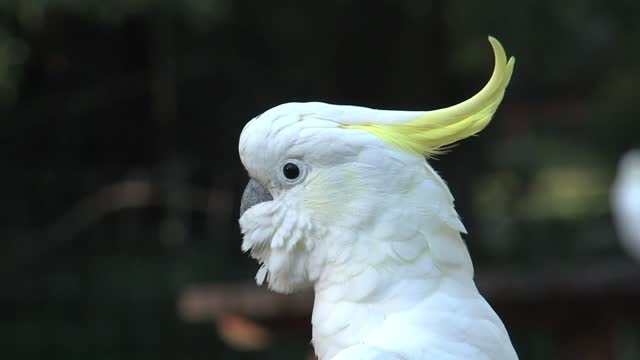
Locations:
279 229
311 178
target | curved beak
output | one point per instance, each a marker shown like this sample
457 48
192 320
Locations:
253 194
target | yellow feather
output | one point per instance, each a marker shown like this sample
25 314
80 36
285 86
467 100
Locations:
427 134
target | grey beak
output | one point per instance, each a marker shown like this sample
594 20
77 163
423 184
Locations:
253 194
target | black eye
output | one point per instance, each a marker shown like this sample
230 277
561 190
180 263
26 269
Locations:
291 171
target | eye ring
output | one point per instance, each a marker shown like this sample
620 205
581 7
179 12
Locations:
292 171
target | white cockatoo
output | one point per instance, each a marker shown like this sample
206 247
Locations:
625 202
341 199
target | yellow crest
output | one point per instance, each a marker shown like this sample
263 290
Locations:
429 132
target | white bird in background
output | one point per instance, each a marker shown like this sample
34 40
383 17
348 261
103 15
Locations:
342 200
625 202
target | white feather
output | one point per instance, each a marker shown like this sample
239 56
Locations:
382 247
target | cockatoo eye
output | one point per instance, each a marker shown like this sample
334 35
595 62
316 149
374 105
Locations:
293 171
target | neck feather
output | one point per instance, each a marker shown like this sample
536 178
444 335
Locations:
351 299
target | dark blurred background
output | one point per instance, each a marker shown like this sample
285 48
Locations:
120 179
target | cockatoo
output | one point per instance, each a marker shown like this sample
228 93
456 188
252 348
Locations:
625 202
342 199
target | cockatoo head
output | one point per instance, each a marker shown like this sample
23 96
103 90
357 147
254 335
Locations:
324 175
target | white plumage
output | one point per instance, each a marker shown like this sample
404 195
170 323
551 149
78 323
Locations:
371 227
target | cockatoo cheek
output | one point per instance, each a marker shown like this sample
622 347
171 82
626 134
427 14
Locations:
280 238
